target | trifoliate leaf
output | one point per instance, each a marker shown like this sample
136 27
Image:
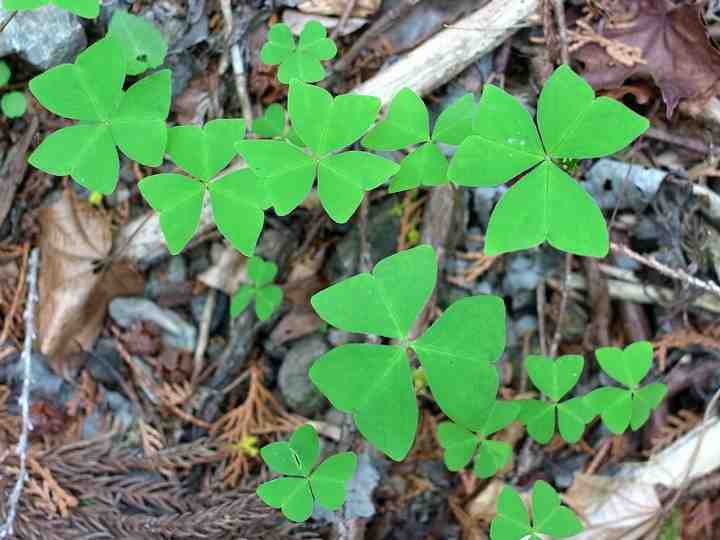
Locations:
544 205
267 301
272 122
455 123
261 272
298 61
92 162
288 172
407 122
574 124
549 516
491 457
291 495
241 300
555 378
539 419
306 444
458 353
573 415
142 42
267 296
344 178
178 199
326 124
85 8
628 366
238 201
342 376
426 166
614 405
497 150
329 481
512 521
204 152
4 73
386 302
459 445
13 104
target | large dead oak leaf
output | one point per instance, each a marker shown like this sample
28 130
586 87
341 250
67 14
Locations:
676 50
75 286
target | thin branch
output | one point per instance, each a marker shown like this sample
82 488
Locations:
204 335
679 274
563 306
349 8
7 21
559 8
26 359
540 297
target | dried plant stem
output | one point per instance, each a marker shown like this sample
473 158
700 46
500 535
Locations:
349 8
26 359
681 275
204 335
559 8
540 297
563 306
7 21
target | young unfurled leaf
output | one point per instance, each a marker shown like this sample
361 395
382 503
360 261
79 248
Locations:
142 42
91 90
266 295
362 379
575 124
294 494
549 516
85 8
555 379
407 123
4 73
619 407
545 206
272 122
426 166
302 60
458 353
13 104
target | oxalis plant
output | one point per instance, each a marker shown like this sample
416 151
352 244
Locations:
316 142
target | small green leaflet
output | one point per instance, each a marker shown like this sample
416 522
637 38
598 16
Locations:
4 73
91 91
555 379
272 122
512 521
142 43
324 125
408 123
298 60
266 295
363 379
619 407
545 205
85 8
238 199
461 445
304 483
13 104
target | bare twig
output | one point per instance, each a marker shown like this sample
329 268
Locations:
349 8
563 306
26 358
540 296
7 21
238 64
559 7
679 274
204 334
689 143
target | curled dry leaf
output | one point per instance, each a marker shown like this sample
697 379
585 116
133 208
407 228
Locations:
75 289
673 43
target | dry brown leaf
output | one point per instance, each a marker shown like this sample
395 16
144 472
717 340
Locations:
298 322
227 272
674 44
363 8
74 237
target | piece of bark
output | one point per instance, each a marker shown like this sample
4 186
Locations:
13 170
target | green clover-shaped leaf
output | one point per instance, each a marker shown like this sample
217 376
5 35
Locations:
266 295
142 42
461 445
324 125
543 206
91 91
13 104
555 379
407 122
302 60
238 199
549 516
619 407
362 379
271 123
84 8
4 73
294 493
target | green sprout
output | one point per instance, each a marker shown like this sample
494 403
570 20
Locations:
547 203
142 43
408 123
266 295
303 483
91 91
13 104
555 379
549 516
363 379
325 125
619 407
298 60
461 444
88 9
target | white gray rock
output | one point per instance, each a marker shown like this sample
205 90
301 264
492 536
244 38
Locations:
297 389
177 332
43 37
